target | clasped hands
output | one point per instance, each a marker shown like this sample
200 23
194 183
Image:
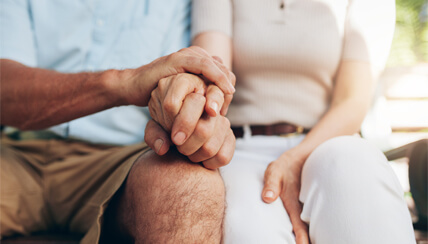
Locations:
189 111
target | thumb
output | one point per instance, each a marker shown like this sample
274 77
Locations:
273 183
157 138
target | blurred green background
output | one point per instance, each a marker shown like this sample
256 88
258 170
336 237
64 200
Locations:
410 44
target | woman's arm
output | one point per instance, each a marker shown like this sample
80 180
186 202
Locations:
216 44
353 90
351 100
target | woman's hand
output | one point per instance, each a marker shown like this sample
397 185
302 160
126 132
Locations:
282 178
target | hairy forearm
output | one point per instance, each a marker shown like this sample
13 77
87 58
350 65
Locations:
33 98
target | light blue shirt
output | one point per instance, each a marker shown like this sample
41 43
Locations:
93 35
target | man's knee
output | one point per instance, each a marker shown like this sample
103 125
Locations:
175 176
169 193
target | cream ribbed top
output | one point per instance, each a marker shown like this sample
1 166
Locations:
285 59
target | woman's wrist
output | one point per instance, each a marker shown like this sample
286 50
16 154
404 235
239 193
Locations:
296 156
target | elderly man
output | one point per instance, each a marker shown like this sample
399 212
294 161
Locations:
74 78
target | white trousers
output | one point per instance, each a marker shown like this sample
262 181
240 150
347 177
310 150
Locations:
350 195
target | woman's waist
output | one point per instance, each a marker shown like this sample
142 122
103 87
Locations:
305 116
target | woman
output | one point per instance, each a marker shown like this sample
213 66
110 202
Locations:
304 65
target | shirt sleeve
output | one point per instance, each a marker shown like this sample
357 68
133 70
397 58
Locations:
16 35
369 31
178 34
211 15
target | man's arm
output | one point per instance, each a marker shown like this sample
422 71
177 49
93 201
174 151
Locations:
33 98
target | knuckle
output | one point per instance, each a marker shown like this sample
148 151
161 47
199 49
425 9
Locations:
198 98
174 56
209 150
152 109
223 158
182 77
232 136
203 131
183 151
154 93
225 123
206 62
185 123
215 91
163 83
193 158
183 49
232 78
169 105
198 49
191 59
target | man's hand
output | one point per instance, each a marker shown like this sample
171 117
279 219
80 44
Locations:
282 178
140 82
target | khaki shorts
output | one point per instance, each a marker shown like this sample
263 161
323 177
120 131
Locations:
60 185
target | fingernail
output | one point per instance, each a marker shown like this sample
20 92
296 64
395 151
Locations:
214 106
179 138
158 145
269 194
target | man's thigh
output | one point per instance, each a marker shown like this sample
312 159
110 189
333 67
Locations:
66 185
23 207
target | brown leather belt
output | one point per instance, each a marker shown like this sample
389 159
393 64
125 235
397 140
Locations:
281 129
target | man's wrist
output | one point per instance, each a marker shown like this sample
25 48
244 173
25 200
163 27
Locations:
117 84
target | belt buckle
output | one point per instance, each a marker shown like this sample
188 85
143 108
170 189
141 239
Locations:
299 130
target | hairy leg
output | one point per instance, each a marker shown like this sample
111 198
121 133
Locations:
168 200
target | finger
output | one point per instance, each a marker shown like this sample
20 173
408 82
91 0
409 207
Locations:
156 138
215 100
186 121
182 85
294 209
200 51
272 183
153 110
225 154
227 101
202 133
227 97
218 59
205 66
156 111
213 145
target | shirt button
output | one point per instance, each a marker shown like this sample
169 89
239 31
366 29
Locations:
100 22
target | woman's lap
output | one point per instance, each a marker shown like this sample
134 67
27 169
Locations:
248 219
341 174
